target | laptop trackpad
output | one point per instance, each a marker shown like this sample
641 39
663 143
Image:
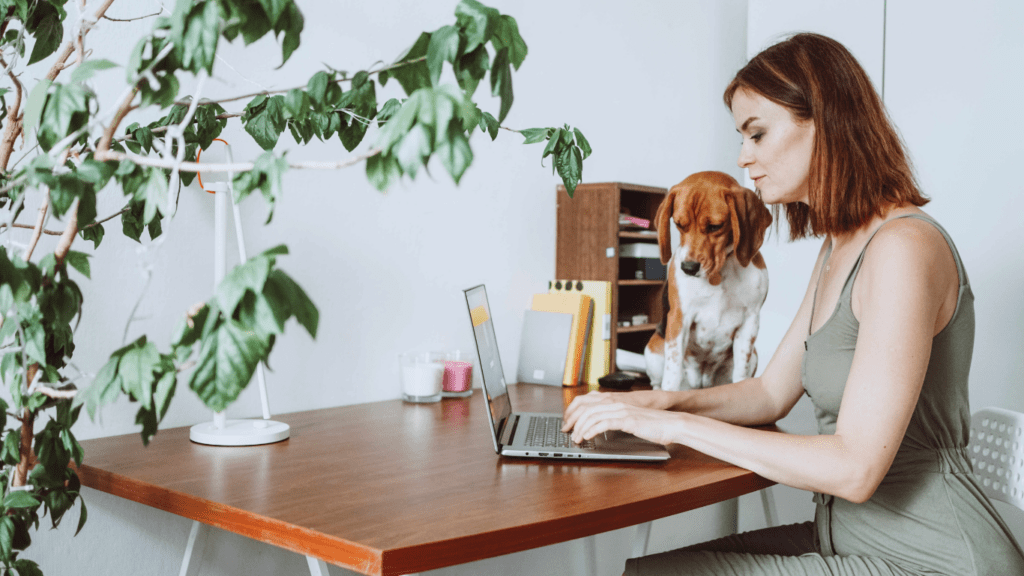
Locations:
617 440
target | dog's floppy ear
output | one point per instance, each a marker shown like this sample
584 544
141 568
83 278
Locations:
750 219
663 222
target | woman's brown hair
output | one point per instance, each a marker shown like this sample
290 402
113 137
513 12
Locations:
859 165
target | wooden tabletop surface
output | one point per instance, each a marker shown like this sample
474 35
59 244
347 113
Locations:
395 488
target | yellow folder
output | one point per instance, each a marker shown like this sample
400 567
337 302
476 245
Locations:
581 307
597 362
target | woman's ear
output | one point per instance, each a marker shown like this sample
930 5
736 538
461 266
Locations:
750 219
663 222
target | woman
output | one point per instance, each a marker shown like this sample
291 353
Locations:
882 344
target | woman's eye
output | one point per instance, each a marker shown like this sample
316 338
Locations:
757 137
714 228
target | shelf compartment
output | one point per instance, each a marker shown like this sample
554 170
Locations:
640 328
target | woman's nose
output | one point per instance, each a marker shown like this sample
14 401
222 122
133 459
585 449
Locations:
745 159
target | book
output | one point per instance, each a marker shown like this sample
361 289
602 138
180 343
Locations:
581 307
597 362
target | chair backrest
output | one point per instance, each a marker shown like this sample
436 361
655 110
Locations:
996 449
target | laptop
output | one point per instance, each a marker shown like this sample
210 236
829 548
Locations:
534 434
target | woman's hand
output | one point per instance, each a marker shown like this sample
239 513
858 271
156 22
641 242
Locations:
598 412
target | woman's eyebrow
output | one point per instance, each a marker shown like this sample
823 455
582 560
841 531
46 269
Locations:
747 123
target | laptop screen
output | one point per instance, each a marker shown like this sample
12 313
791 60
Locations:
490 362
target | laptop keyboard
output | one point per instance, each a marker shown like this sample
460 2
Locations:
546 432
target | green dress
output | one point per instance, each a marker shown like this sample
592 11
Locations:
928 516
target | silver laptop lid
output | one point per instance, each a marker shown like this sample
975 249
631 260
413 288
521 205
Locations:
493 376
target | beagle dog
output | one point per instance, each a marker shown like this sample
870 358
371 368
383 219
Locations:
710 231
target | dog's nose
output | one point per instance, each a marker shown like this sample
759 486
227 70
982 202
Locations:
690 267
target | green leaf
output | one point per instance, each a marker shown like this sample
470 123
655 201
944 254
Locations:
381 170
471 68
553 141
79 261
274 8
534 135
250 276
156 194
6 536
227 360
136 370
286 297
501 82
199 42
570 166
506 35
317 87
163 393
387 111
414 149
477 21
46 27
455 155
444 46
296 102
582 142
291 23
26 567
412 77
265 123
93 233
11 452
20 499
88 68
82 517
34 106
490 125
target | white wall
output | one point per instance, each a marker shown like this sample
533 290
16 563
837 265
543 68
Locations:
644 83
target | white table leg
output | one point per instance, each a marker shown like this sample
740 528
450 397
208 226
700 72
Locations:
641 539
590 555
317 567
194 549
771 515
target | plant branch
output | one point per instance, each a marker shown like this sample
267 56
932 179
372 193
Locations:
68 237
105 155
62 394
14 119
286 90
38 228
131 19
28 227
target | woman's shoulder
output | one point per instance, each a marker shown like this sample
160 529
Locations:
909 246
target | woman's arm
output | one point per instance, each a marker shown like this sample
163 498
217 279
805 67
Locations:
904 285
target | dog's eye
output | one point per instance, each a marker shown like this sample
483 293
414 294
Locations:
714 228
682 227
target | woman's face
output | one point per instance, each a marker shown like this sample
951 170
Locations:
776 149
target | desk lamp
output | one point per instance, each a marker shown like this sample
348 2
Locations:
221 431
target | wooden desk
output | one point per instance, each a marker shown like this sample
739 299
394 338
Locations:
396 488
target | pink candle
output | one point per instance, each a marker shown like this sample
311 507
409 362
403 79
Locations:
458 376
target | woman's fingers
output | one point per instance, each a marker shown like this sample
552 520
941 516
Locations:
599 418
578 405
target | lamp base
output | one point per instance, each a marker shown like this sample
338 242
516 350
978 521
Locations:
240 433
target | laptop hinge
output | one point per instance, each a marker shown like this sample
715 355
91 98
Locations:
508 432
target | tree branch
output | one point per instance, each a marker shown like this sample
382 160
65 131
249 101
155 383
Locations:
68 237
38 228
286 90
131 19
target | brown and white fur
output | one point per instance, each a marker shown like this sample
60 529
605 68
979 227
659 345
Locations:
710 231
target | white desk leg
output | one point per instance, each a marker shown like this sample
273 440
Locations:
641 539
590 555
194 549
771 515
317 567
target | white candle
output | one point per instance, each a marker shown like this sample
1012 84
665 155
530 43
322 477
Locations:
422 379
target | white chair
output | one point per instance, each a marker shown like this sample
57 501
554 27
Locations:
996 449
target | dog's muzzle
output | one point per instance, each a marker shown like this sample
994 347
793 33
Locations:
690 268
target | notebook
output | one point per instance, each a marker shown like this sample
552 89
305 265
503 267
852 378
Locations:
581 307
597 361
543 347
533 434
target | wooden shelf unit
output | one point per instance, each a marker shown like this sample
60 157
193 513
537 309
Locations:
587 248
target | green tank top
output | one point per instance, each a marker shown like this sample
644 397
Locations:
929 512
